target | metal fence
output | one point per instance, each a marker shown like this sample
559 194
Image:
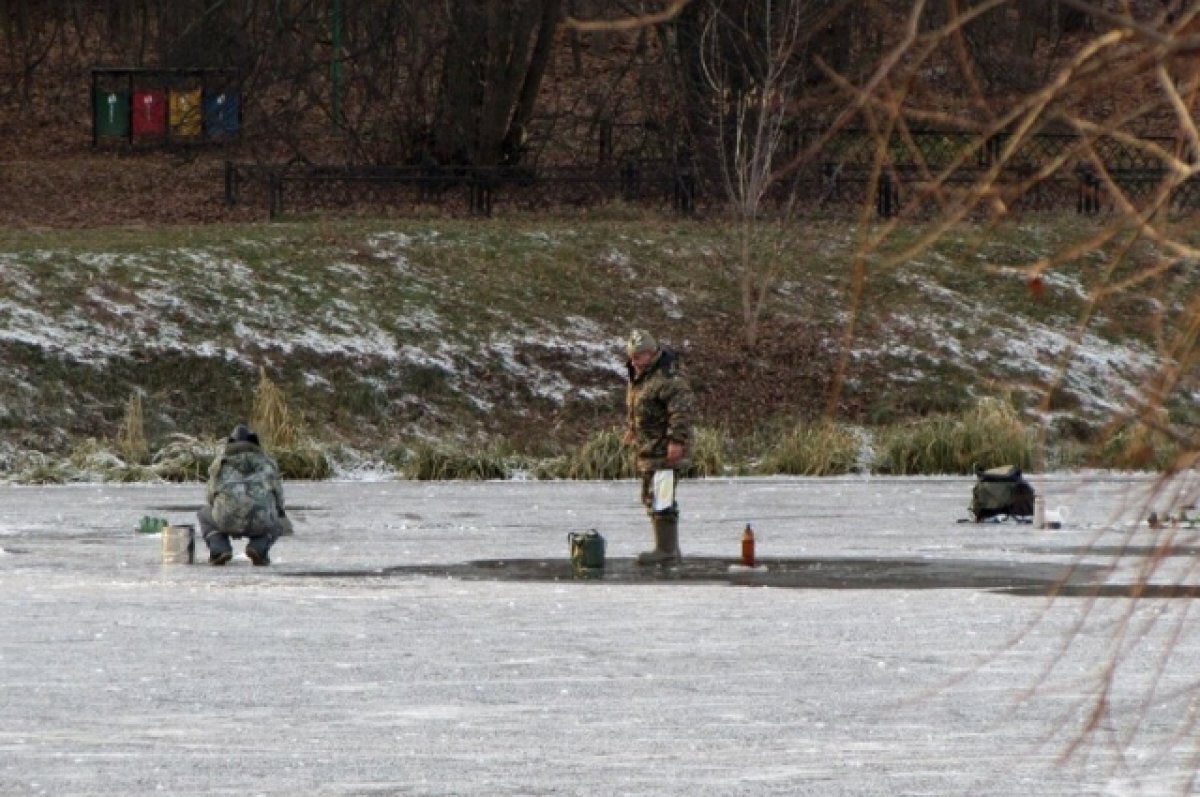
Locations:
473 190
918 175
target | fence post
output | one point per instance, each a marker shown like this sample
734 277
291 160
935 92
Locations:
685 181
989 153
231 184
830 172
428 177
274 196
1089 190
606 140
685 193
887 197
95 102
630 176
479 187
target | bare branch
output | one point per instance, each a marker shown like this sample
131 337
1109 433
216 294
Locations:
627 23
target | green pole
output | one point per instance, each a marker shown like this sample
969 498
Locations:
335 68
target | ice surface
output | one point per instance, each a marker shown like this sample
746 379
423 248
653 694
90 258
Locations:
331 673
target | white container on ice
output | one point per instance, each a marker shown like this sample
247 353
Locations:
178 545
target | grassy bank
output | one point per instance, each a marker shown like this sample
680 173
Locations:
406 342
987 436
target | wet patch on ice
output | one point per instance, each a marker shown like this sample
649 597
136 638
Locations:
1115 591
1111 551
809 573
195 507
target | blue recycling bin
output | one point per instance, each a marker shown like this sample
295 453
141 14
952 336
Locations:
222 114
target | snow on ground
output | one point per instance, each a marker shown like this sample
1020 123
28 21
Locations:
1107 378
237 305
224 292
329 673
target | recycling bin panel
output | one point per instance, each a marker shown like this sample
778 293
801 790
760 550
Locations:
111 109
149 113
222 112
185 113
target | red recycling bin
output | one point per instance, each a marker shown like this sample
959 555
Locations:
149 112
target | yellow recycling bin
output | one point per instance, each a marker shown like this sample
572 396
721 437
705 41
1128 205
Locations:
185 113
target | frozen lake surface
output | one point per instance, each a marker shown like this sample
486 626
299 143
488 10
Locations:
429 639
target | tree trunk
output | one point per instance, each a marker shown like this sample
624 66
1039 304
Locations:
495 60
514 138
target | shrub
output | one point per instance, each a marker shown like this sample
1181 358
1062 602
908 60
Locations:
821 449
302 460
94 461
439 463
1066 454
989 435
602 456
1135 445
550 468
271 419
36 468
88 461
131 437
709 453
281 437
185 458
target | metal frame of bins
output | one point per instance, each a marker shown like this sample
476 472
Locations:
169 94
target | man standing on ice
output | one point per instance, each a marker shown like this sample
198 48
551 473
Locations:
660 405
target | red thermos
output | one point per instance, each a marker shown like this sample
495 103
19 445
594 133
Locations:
748 546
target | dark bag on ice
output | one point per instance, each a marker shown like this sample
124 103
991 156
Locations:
1001 492
587 550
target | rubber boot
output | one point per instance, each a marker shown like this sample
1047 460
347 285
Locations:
220 550
257 549
666 542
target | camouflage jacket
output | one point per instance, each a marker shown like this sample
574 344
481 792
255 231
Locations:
245 489
660 408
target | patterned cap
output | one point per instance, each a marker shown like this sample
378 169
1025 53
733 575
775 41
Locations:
242 434
640 341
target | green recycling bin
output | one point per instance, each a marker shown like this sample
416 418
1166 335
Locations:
111 113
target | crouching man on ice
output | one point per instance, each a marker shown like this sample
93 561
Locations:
244 499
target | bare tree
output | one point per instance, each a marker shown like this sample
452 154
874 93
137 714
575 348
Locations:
752 59
30 31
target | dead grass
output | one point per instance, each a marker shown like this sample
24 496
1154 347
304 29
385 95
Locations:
131 439
271 419
990 435
819 449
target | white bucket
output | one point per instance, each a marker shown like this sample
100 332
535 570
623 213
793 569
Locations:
178 545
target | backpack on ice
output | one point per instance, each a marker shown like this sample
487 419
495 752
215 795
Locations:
1001 492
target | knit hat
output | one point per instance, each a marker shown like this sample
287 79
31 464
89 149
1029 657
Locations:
640 341
242 434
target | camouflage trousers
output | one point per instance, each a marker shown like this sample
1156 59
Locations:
262 537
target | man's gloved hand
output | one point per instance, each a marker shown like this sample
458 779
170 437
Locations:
674 453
